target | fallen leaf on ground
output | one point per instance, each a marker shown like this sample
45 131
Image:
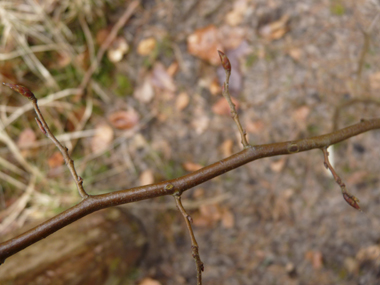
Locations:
276 29
145 92
221 107
102 138
231 37
123 120
226 147
182 101
149 281
255 127
172 69
208 215
63 59
102 34
295 53
146 177
239 10
374 81
369 253
315 257
301 113
161 78
351 265
228 219
198 193
215 87
278 165
200 123
146 46
190 166
204 43
26 137
56 159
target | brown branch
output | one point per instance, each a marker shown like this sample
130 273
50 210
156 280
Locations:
226 93
181 184
350 199
194 244
45 129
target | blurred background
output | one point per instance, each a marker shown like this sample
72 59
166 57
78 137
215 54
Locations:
132 88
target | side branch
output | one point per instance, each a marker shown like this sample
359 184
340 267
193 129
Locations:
194 245
46 130
350 199
94 203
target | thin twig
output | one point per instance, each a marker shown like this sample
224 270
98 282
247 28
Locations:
350 199
194 244
106 44
226 93
48 99
45 129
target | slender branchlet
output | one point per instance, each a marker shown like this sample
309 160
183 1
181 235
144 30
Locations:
226 93
350 199
194 244
24 91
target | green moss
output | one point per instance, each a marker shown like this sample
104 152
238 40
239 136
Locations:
312 129
124 85
251 59
105 73
172 170
337 8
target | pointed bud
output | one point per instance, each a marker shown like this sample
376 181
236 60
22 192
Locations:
21 89
225 61
352 200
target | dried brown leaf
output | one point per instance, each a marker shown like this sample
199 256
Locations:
26 137
315 257
173 68
146 46
145 92
275 30
278 165
226 147
146 177
236 16
228 219
191 166
102 139
56 160
204 43
221 107
149 281
161 78
301 113
255 127
374 81
123 120
182 101
215 87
